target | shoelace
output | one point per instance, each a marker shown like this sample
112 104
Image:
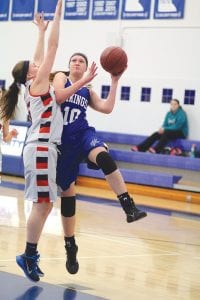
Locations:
130 205
71 255
33 261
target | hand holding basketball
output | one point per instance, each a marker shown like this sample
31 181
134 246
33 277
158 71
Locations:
114 60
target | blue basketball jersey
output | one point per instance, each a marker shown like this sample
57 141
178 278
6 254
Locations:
74 112
78 138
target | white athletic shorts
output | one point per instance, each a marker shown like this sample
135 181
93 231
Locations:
40 162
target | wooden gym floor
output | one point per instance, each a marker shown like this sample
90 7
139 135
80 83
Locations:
154 258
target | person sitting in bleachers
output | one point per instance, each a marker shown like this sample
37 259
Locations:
175 126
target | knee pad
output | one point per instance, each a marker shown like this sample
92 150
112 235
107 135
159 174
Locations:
68 206
106 162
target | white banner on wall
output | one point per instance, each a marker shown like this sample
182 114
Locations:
136 9
76 9
169 9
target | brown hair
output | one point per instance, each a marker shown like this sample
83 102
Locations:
80 54
10 98
20 71
52 75
176 100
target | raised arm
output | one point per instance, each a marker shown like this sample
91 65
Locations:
62 93
106 105
42 27
41 82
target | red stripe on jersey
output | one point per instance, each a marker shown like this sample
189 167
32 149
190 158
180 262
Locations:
42 148
41 165
43 199
46 114
42 183
44 129
47 101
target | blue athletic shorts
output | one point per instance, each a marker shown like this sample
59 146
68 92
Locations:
72 153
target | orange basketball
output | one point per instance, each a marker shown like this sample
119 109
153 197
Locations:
114 60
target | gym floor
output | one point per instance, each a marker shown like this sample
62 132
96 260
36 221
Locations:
155 258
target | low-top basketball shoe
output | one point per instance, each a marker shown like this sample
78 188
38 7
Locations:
72 264
29 265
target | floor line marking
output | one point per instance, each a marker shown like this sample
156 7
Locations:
123 242
101 256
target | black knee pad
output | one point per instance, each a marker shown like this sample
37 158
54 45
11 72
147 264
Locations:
106 162
68 206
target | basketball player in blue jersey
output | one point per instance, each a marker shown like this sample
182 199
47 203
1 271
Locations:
40 151
79 142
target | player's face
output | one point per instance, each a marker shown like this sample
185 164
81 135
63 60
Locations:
32 71
77 64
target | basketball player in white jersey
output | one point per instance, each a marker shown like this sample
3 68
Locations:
40 152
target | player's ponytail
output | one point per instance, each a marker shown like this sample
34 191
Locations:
9 101
10 98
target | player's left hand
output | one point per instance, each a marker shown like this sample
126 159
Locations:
91 73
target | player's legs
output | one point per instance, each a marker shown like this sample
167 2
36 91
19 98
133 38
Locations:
40 188
36 220
29 260
114 179
68 209
112 174
67 170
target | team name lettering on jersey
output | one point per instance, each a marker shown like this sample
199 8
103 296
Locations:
79 100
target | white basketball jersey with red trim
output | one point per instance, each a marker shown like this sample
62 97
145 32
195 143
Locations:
46 117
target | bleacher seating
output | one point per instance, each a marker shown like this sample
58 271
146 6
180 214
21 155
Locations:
152 178
163 160
136 176
123 154
133 139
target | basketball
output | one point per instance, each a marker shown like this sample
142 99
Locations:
114 60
